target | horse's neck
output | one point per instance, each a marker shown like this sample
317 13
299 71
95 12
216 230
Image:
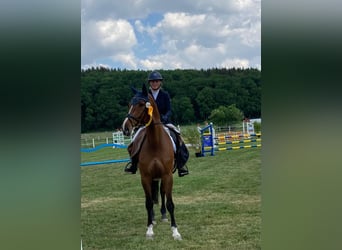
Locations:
155 129
155 114
154 132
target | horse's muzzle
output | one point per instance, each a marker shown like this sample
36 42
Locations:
126 127
126 132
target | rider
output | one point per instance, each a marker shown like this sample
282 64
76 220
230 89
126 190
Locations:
162 99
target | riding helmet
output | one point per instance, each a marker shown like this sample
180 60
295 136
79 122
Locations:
155 75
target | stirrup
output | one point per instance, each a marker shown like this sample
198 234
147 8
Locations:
174 167
183 171
130 168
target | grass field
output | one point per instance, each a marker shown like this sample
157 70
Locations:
217 206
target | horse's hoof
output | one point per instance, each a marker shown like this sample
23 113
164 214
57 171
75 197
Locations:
149 233
177 237
154 222
149 237
175 234
164 218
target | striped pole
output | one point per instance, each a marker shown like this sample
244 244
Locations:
238 147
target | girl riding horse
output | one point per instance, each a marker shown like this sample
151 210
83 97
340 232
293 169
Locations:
156 157
162 99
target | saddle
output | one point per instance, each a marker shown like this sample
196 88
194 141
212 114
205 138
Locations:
180 149
134 147
139 137
182 153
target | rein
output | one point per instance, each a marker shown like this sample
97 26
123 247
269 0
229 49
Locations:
129 116
149 112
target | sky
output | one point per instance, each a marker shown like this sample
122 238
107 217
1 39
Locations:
171 34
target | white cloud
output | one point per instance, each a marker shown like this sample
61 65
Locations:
104 9
202 41
139 26
182 20
190 34
187 26
106 38
251 35
152 63
168 61
235 62
126 59
132 9
94 65
243 5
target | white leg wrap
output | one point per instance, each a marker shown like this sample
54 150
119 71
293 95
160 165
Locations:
149 232
175 234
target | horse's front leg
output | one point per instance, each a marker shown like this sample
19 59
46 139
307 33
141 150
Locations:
146 183
171 207
149 209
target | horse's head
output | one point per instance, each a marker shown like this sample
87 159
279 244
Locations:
138 113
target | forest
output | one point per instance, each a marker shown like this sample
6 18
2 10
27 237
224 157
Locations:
106 93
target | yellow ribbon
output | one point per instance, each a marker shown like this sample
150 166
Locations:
149 112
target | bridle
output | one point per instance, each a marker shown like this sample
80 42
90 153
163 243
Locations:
139 118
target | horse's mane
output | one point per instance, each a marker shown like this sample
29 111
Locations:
154 104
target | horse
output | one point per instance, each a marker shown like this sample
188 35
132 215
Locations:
156 157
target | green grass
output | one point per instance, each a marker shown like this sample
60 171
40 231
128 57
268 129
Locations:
217 206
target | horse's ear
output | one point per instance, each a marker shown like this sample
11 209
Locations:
134 90
144 90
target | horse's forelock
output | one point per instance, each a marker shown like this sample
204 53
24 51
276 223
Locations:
139 96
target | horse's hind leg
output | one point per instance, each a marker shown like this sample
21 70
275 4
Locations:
155 189
171 208
163 207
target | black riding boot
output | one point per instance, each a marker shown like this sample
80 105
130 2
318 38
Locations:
131 166
182 156
182 171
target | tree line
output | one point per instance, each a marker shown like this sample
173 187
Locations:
105 94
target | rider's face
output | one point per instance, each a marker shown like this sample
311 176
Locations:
155 84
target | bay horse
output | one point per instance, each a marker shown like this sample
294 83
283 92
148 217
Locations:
156 157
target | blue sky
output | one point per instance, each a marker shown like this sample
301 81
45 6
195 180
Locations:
146 45
184 34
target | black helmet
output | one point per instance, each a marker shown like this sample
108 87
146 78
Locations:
155 75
